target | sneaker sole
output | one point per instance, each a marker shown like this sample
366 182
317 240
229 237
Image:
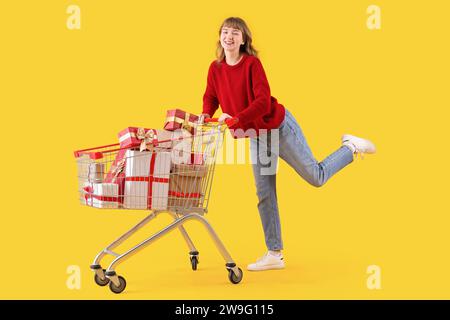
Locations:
371 147
271 267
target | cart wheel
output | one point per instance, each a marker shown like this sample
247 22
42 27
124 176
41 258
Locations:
120 288
194 262
235 279
101 282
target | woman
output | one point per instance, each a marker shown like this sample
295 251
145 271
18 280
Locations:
237 82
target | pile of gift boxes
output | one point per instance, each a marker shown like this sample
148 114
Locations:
154 168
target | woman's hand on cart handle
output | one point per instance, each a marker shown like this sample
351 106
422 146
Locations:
223 117
231 121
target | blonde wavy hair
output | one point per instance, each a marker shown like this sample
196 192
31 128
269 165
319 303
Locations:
247 47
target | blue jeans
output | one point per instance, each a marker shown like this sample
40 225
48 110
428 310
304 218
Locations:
288 143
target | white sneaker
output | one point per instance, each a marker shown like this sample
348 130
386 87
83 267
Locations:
267 262
358 145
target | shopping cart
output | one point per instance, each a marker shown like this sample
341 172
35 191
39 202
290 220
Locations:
112 177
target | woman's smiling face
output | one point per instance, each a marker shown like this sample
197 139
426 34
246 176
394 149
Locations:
231 39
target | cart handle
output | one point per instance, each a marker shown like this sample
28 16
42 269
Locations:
99 154
229 122
93 154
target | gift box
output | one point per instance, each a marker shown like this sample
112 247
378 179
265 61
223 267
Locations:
179 141
179 119
142 138
102 195
146 180
95 172
186 184
133 138
89 170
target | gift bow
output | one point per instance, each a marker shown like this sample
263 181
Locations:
147 138
187 125
184 123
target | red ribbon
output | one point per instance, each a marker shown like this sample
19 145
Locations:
184 195
90 195
150 179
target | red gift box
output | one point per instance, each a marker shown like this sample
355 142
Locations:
179 119
133 137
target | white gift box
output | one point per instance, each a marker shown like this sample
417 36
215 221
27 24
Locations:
146 180
102 195
96 171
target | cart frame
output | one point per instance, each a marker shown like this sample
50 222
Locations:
116 282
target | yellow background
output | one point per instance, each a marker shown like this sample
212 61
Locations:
64 89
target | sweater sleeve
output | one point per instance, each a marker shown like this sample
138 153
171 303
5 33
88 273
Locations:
210 100
260 106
